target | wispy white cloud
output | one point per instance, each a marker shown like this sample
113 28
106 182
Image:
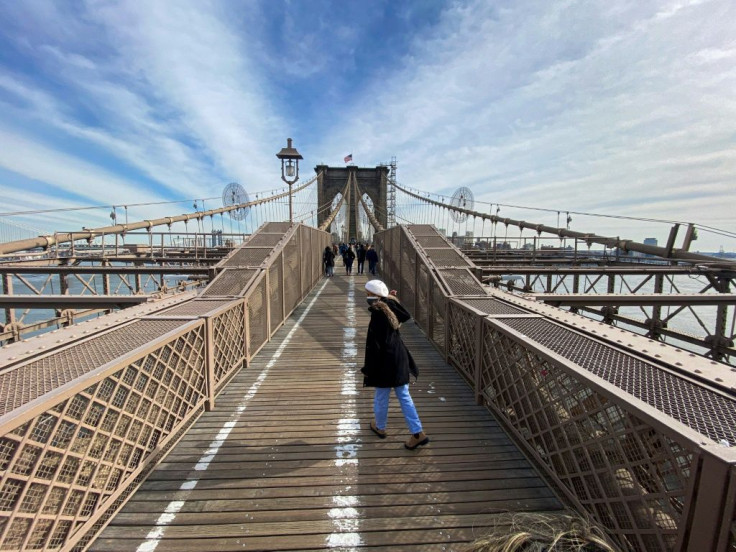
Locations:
69 175
586 106
567 105
199 68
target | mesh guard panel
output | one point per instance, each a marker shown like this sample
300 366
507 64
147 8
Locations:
422 230
276 227
431 241
42 376
195 307
493 306
461 282
248 256
446 256
230 282
264 240
699 408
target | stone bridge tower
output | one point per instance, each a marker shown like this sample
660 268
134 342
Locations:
371 181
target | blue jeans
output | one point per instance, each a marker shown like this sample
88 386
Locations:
380 407
372 267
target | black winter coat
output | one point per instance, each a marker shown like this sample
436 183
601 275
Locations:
328 257
388 362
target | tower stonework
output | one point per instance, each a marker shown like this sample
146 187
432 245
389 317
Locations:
371 181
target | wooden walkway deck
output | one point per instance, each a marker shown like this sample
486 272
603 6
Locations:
287 462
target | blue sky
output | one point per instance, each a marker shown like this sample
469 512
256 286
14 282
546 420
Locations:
622 107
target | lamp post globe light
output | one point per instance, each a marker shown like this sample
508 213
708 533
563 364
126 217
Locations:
289 169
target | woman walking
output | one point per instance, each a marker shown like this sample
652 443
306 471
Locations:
388 363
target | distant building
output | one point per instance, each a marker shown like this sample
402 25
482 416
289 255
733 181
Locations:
650 241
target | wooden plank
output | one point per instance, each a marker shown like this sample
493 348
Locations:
287 461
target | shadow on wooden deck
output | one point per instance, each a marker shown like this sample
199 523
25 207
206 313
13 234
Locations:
287 461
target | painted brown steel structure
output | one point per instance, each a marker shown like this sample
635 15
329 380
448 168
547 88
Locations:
87 411
633 432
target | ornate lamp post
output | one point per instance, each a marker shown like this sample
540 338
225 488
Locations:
289 169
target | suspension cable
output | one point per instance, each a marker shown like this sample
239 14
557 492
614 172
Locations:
89 234
336 210
371 217
624 245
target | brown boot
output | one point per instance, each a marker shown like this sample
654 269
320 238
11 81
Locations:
417 440
380 432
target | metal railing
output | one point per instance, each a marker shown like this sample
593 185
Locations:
87 415
632 432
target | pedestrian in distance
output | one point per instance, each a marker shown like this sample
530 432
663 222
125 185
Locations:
361 258
328 260
349 258
371 255
388 364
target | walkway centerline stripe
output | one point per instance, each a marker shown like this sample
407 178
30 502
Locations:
344 516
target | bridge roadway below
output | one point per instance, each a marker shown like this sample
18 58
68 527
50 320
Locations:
286 460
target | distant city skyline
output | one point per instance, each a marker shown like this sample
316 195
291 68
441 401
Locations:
620 114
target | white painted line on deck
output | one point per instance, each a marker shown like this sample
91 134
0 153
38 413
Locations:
154 536
344 516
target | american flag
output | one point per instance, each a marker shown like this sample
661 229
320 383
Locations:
349 158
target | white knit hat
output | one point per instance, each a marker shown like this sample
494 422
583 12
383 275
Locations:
377 287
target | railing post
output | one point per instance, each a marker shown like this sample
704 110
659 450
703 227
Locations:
447 330
478 364
8 290
708 501
283 287
209 364
267 278
246 332
417 297
430 305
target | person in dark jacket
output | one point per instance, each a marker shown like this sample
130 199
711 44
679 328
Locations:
349 258
371 255
328 259
388 363
361 258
